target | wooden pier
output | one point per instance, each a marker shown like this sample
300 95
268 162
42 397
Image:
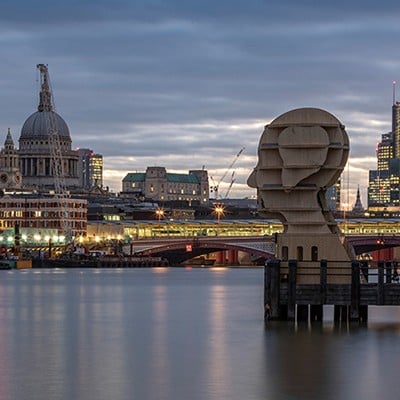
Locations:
286 299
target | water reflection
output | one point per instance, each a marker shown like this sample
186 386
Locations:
218 374
170 334
321 361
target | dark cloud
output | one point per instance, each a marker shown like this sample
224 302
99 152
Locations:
184 83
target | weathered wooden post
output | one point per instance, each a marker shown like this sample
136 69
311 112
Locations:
291 313
364 269
323 279
355 291
272 309
381 279
317 310
267 290
275 289
388 272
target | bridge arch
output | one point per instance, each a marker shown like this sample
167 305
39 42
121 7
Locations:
179 252
364 244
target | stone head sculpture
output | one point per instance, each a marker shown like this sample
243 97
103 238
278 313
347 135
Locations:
300 154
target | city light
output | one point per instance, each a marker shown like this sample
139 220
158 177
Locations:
219 211
159 213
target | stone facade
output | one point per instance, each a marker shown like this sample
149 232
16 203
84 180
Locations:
159 185
10 176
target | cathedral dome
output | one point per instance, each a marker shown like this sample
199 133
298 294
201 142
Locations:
36 125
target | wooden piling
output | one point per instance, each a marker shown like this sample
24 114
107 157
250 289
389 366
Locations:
336 313
274 289
291 309
344 313
364 269
323 279
302 312
355 291
388 271
363 313
380 287
287 299
267 290
272 307
316 312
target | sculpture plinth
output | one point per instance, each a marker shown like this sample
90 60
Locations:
300 154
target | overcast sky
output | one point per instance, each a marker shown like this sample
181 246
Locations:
188 83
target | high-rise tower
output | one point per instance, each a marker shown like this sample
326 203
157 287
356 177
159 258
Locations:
384 182
396 123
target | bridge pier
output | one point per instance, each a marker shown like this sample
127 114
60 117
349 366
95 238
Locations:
233 257
220 258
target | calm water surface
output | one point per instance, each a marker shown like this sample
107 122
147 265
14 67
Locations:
179 334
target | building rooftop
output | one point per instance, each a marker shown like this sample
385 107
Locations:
171 177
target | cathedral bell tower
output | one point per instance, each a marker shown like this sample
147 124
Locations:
10 176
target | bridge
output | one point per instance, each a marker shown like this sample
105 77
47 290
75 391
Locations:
178 250
184 240
258 248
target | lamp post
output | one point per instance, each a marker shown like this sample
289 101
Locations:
160 214
219 210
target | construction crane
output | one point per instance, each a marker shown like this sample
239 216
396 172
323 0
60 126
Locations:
215 186
230 185
46 105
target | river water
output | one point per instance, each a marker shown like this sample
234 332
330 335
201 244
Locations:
179 334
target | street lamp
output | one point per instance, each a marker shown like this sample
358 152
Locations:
219 210
160 214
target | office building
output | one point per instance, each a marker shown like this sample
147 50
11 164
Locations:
159 185
40 213
332 196
90 169
384 182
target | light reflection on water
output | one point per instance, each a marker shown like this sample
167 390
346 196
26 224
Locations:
179 334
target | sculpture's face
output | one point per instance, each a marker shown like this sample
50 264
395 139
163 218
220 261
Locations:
297 154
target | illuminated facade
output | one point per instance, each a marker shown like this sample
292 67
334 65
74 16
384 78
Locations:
396 128
98 231
90 169
159 185
384 182
332 196
43 213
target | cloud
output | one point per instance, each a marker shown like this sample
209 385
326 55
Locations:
185 83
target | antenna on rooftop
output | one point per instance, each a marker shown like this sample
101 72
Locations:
394 92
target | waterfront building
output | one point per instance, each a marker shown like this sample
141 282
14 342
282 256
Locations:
10 176
38 213
157 184
90 169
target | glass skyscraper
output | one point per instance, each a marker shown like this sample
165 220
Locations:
384 182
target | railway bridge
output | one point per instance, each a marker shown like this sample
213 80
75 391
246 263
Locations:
227 249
